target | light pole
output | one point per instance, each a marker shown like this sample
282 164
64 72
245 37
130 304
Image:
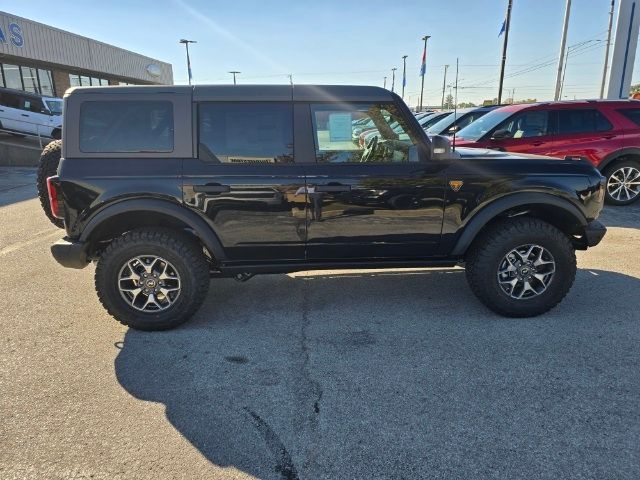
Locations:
444 84
566 61
503 62
404 73
606 52
186 44
234 73
423 68
393 78
563 42
384 85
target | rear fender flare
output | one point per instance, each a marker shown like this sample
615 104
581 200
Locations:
200 227
481 218
613 156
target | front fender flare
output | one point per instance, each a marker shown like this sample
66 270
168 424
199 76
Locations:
481 218
202 230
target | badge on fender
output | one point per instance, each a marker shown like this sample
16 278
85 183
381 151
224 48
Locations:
456 185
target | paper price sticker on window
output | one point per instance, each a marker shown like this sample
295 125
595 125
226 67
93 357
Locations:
340 127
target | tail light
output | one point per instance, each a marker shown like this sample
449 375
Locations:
55 200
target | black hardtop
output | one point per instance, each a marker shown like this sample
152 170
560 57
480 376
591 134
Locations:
255 93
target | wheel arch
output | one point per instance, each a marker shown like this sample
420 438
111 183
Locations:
126 215
618 155
557 211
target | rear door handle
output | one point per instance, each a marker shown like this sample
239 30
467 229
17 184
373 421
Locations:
536 144
608 137
24 114
211 188
333 188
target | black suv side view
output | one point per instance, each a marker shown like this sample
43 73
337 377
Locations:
166 187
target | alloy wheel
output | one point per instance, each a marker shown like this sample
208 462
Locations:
624 184
149 283
526 271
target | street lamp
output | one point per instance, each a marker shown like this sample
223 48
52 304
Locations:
234 73
566 59
186 44
404 73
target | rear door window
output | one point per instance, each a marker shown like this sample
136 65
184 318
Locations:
10 100
254 133
126 126
533 123
572 121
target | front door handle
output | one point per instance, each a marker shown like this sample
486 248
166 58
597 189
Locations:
537 144
24 114
333 188
211 188
608 137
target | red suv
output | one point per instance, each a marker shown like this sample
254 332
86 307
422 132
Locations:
603 131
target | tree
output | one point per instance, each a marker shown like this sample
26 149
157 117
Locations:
467 105
448 102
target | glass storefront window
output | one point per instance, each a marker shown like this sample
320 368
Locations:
74 80
46 82
12 76
85 81
30 79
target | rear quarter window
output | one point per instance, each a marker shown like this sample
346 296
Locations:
632 114
126 126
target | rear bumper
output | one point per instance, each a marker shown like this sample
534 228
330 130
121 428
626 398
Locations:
70 254
594 232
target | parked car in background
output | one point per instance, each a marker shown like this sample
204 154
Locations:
23 113
605 132
458 120
425 120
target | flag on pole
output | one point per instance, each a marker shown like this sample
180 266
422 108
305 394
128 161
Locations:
404 78
504 27
423 67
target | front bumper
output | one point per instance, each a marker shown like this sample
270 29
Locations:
594 232
70 254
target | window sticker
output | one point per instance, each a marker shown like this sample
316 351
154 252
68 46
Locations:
340 127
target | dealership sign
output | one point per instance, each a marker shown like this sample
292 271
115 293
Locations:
14 32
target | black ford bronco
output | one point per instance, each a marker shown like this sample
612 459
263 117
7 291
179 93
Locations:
165 187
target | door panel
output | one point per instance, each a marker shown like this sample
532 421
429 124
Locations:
246 182
373 211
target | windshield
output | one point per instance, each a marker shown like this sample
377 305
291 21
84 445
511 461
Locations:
476 130
425 123
55 106
443 124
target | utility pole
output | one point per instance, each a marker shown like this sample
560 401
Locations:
234 73
384 85
423 68
444 84
563 44
404 73
186 44
393 78
606 52
504 49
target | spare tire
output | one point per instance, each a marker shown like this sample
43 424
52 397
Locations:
48 167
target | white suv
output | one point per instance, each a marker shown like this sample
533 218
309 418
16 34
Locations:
24 113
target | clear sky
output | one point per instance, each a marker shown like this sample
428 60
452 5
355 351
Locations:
346 41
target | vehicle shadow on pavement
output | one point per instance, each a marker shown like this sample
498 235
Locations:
624 216
17 184
389 375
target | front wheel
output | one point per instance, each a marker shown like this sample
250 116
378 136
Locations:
521 267
152 279
623 183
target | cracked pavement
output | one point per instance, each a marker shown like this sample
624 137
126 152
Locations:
317 375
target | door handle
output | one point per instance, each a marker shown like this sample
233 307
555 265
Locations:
24 114
211 188
536 144
333 188
608 137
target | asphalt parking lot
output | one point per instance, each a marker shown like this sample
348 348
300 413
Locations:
336 375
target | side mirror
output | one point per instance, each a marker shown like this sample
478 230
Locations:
500 134
440 147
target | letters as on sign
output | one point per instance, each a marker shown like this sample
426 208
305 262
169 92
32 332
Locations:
15 35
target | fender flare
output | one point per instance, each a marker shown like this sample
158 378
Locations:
201 228
613 156
503 204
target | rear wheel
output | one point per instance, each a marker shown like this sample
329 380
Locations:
152 279
48 167
623 182
521 267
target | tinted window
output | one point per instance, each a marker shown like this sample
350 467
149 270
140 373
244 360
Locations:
362 133
533 123
581 121
33 105
126 126
10 100
246 132
632 114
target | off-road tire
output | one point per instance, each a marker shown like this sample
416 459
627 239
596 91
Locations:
178 248
489 249
609 171
48 167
